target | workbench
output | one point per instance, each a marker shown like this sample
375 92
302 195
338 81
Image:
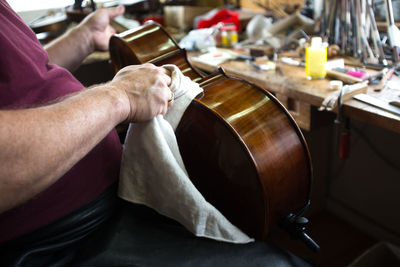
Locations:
290 85
359 189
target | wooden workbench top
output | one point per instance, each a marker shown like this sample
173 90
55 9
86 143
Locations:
291 81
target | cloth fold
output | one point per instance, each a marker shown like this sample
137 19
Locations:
153 172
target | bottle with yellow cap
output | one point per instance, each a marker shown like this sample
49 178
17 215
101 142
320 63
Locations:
316 57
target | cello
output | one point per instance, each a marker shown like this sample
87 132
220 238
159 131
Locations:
241 148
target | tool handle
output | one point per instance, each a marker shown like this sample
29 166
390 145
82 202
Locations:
342 76
344 145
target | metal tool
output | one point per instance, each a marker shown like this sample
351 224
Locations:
343 126
392 31
377 103
259 66
344 31
386 76
331 18
375 34
363 46
291 61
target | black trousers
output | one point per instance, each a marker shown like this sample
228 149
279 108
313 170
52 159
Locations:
113 232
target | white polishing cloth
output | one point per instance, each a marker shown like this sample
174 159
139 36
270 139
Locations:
153 173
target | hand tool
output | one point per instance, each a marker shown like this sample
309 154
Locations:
392 31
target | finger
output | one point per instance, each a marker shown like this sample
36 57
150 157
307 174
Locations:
149 65
115 11
165 71
170 103
166 76
172 97
164 109
161 73
112 31
168 80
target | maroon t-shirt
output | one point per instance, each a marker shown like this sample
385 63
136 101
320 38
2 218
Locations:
26 80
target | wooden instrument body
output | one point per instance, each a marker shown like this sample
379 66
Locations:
242 149
55 23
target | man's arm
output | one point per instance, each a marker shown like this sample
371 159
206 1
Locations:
92 34
38 145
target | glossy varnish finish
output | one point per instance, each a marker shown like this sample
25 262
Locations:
240 146
148 44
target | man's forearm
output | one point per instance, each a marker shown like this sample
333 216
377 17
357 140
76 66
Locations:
70 49
39 145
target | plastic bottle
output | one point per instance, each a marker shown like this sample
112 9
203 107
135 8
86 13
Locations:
227 36
232 33
316 57
224 38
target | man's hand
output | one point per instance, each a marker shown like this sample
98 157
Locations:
93 33
145 89
99 28
33 156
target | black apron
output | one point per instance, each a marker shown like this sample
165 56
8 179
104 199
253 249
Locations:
112 232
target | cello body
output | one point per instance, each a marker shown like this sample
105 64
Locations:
242 149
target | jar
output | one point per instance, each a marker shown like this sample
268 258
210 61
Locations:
227 36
